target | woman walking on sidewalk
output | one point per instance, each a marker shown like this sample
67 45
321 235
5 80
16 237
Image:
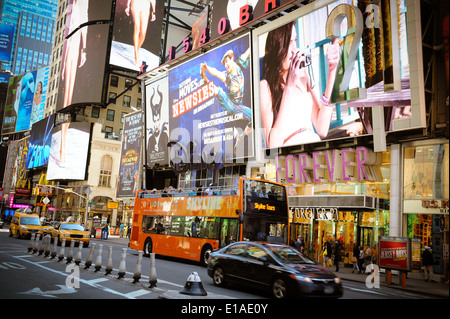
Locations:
355 259
361 257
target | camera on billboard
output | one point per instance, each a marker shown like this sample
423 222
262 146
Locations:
307 61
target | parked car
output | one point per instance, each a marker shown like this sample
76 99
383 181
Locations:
280 269
70 231
23 225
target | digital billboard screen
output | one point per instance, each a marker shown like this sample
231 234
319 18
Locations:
25 100
40 142
83 67
69 151
324 82
210 103
80 12
136 34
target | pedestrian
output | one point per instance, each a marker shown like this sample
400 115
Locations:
361 257
354 259
368 256
327 253
374 254
121 230
129 231
337 253
427 263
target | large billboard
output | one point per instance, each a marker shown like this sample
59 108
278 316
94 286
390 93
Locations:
69 151
80 12
157 122
333 80
83 66
130 156
136 34
25 100
210 104
40 142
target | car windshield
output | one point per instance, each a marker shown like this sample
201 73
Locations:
71 227
290 255
34 221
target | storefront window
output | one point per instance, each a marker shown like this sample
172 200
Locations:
426 172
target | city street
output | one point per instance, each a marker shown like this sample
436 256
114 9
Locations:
25 275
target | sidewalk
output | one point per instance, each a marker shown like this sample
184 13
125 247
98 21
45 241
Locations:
415 282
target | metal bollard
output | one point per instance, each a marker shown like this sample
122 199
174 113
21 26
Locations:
78 258
61 251
90 256
55 245
47 246
138 268
122 266
70 254
109 266
31 245
152 279
98 261
36 242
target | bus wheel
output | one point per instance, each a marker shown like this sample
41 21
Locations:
206 254
148 247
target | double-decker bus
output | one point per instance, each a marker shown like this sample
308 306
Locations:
190 225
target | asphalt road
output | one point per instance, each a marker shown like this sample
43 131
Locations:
28 276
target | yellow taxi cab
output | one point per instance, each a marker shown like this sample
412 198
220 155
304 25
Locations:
47 228
70 231
23 225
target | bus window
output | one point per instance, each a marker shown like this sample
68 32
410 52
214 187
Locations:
154 224
228 231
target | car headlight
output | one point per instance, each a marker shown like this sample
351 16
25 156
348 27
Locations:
303 278
23 228
337 280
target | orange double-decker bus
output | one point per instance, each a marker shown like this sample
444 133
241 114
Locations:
189 225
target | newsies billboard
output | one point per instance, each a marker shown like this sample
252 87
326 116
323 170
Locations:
210 104
343 77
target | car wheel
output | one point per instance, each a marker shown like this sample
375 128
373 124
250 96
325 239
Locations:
148 247
219 277
18 234
205 255
279 288
10 233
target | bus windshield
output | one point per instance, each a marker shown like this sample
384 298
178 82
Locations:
265 212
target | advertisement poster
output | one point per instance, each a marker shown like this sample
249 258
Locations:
210 104
395 253
157 122
322 83
130 155
137 24
25 100
69 151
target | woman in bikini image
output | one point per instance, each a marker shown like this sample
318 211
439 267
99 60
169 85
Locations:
291 112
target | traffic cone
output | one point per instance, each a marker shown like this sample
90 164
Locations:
78 258
122 265
109 266
152 279
193 286
61 251
90 256
35 245
47 246
70 254
31 245
138 268
98 261
55 248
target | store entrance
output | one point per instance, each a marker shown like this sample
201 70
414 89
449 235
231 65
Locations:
365 236
303 231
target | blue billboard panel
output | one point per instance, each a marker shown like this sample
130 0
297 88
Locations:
210 103
6 40
40 142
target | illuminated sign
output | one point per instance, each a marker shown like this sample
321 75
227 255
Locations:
348 164
314 213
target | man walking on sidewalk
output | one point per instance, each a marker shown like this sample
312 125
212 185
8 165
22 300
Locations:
428 262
